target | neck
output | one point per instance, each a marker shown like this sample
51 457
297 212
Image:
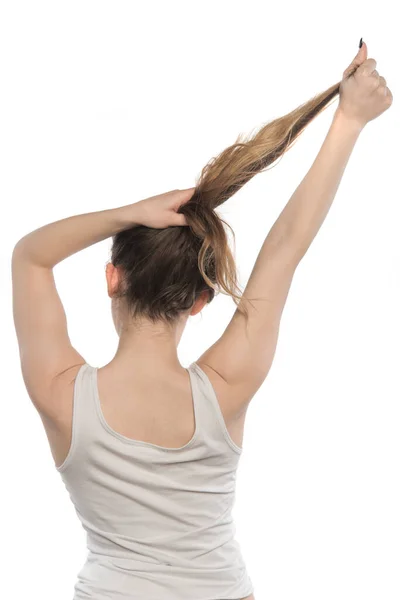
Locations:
149 346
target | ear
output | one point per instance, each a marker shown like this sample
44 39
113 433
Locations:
113 276
200 303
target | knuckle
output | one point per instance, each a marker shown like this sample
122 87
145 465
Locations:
372 82
368 66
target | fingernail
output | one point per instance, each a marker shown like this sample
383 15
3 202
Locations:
361 43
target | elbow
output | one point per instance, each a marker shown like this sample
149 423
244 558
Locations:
25 253
20 252
19 249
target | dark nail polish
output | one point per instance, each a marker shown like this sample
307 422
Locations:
361 43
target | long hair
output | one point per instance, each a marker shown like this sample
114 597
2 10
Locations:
166 270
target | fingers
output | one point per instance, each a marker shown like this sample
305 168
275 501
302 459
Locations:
180 193
179 219
380 84
185 194
367 67
178 198
385 91
359 58
365 70
377 82
366 80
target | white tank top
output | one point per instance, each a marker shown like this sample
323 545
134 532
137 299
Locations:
158 520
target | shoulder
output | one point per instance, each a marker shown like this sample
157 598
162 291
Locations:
56 405
228 395
56 412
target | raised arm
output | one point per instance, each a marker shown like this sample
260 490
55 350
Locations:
243 355
39 316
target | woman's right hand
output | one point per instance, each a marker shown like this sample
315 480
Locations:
363 93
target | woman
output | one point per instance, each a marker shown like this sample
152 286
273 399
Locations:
147 449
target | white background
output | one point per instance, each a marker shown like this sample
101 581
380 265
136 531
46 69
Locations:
105 103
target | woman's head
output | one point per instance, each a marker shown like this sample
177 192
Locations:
154 273
168 274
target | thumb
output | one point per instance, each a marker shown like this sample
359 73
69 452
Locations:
186 194
179 219
180 198
359 58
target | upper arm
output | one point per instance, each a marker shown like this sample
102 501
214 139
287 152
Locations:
41 327
244 353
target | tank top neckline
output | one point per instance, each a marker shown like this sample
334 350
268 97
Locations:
158 520
143 443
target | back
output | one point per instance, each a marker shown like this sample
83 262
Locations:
158 520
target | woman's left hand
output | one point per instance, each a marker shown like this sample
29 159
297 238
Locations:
160 211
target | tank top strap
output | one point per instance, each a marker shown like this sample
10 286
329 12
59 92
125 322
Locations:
210 421
90 430
84 417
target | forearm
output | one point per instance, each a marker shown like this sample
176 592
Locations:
303 215
54 242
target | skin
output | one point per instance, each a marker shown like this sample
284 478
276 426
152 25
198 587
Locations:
239 361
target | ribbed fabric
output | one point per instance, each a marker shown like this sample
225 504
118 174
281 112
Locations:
158 520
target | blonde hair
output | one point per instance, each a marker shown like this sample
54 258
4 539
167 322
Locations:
167 269
231 170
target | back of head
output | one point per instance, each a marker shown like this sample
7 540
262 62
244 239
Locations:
166 270
161 274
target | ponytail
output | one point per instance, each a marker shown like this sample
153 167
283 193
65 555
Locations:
224 175
166 270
